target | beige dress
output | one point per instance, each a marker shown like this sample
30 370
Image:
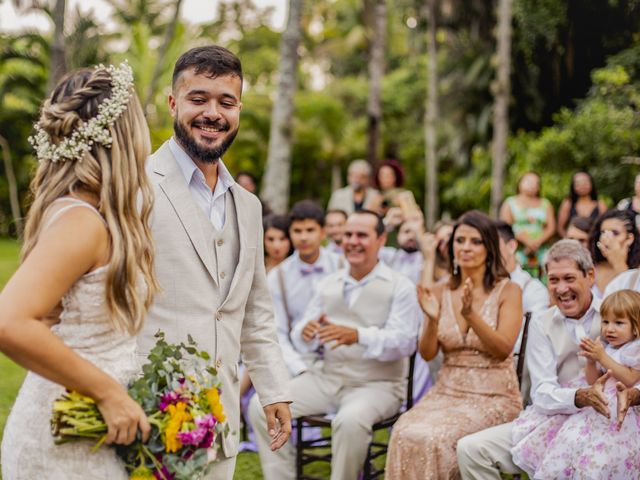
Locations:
473 391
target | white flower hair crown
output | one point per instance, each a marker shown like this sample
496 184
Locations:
96 129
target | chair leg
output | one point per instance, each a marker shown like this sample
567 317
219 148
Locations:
299 450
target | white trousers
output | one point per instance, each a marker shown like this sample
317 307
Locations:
356 408
223 469
484 455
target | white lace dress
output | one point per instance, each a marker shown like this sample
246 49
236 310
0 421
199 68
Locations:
28 451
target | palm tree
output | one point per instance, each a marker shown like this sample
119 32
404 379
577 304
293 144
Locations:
502 90
431 116
376 13
275 185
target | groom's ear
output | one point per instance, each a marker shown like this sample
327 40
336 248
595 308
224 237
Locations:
172 105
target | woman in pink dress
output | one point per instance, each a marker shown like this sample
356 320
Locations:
475 319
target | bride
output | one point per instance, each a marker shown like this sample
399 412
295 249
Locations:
86 269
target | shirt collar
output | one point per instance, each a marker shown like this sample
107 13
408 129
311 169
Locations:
381 270
189 168
593 309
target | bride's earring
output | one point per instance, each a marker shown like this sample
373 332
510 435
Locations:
456 269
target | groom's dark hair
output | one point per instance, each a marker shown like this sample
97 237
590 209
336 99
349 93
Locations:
213 61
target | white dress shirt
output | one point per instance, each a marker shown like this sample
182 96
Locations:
398 337
548 396
300 283
211 203
409 264
535 296
625 280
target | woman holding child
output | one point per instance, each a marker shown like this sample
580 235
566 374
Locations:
475 320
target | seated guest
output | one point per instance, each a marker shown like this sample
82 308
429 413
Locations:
277 245
247 181
558 388
407 258
367 317
475 320
579 229
588 444
614 246
334 222
389 180
293 283
357 194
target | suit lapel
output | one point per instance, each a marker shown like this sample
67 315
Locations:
177 191
240 206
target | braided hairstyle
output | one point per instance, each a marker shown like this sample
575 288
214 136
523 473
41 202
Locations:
116 176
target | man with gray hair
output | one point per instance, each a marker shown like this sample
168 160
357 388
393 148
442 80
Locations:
553 362
357 194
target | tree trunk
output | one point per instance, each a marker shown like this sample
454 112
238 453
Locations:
58 65
377 38
431 116
275 184
13 185
157 70
502 90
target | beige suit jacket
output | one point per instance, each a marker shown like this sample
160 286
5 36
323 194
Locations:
189 303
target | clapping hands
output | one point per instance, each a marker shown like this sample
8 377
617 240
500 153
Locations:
429 303
467 298
593 350
327 331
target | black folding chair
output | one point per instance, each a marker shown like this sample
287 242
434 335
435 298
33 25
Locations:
523 347
319 450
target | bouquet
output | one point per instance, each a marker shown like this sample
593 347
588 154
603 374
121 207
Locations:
180 393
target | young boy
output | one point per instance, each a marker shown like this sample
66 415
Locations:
293 283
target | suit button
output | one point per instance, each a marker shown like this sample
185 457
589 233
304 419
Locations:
218 363
218 315
220 242
222 274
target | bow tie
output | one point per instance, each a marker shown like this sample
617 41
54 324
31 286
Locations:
311 269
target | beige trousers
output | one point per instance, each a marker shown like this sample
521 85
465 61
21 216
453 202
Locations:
223 469
485 454
356 408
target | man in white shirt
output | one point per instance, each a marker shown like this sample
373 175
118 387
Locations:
552 359
407 258
367 318
357 194
293 283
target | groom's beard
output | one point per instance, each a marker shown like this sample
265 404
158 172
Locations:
200 152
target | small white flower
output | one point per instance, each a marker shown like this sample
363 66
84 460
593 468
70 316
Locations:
96 129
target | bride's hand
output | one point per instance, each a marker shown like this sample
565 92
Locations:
123 417
428 303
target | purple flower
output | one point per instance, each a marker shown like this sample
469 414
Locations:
194 437
208 439
171 398
628 463
207 421
568 472
600 446
164 474
584 460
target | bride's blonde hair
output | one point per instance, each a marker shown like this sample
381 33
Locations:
115 175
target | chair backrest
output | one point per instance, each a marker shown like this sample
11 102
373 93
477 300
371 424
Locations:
523 347
412 364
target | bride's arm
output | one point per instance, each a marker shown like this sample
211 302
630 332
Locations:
75 244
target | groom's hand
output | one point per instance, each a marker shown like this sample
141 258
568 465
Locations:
278 424
594 396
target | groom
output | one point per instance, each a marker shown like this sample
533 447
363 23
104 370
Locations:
209 246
